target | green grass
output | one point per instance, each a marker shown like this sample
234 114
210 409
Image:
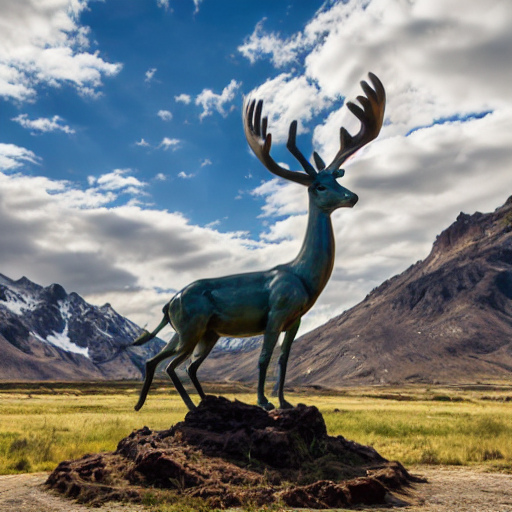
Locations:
40 425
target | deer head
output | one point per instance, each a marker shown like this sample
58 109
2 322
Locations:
324 190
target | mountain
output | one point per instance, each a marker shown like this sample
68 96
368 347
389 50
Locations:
446 319
47 334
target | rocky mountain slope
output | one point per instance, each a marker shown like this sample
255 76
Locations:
445 319
47 334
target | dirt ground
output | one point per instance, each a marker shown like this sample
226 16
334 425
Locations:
448 489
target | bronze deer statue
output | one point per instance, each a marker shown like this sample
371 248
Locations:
274 300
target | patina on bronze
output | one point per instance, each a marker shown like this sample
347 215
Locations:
271 301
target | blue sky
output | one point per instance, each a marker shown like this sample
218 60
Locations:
164 53
125 174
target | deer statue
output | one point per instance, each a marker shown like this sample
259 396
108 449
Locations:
272 301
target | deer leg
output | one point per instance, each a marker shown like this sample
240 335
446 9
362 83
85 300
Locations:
182 356
269 342
151 364
283 362
201 352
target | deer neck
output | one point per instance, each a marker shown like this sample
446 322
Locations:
315 261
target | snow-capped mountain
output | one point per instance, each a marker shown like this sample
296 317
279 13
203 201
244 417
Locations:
236 345
46 333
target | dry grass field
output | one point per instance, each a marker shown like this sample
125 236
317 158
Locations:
43 424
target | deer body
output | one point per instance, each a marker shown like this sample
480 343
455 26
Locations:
272 301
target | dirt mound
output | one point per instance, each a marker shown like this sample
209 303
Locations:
234 454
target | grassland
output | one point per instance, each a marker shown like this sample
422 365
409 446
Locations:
42 424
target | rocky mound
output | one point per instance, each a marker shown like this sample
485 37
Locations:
233 454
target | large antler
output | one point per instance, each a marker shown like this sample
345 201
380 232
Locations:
261 141
371 117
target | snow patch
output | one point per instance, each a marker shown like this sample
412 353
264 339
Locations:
61 340
105 333
13 306
17 304
237 344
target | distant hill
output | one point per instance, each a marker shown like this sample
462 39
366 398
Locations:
446 319
46 334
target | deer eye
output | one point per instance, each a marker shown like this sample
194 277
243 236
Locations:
320 187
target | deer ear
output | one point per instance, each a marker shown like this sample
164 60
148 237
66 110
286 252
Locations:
339 173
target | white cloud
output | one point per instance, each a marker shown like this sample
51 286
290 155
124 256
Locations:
43 124
286 98
160 177
12 157
281 199
167 143
118 180
164 115
163 3
206 162
260 44
185 176
43 43
211 101
196 4
183 98
142 143
213 224
150 73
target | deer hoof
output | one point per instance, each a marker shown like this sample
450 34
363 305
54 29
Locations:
267 406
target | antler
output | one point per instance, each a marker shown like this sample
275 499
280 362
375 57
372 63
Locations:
371 117
261 143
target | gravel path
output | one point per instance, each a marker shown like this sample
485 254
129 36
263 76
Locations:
448 490
24 493
454 489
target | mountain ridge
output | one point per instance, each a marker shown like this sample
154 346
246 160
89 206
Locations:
46 333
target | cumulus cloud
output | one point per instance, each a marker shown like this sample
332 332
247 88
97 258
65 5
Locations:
164 115
261 44
211 101
183 98
197 3
150 73
185 176
163 3
206 162
44 43
43 124
12 157
167 143
287 98
142 143
118 180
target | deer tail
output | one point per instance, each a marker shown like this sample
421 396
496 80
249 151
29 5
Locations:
148 336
